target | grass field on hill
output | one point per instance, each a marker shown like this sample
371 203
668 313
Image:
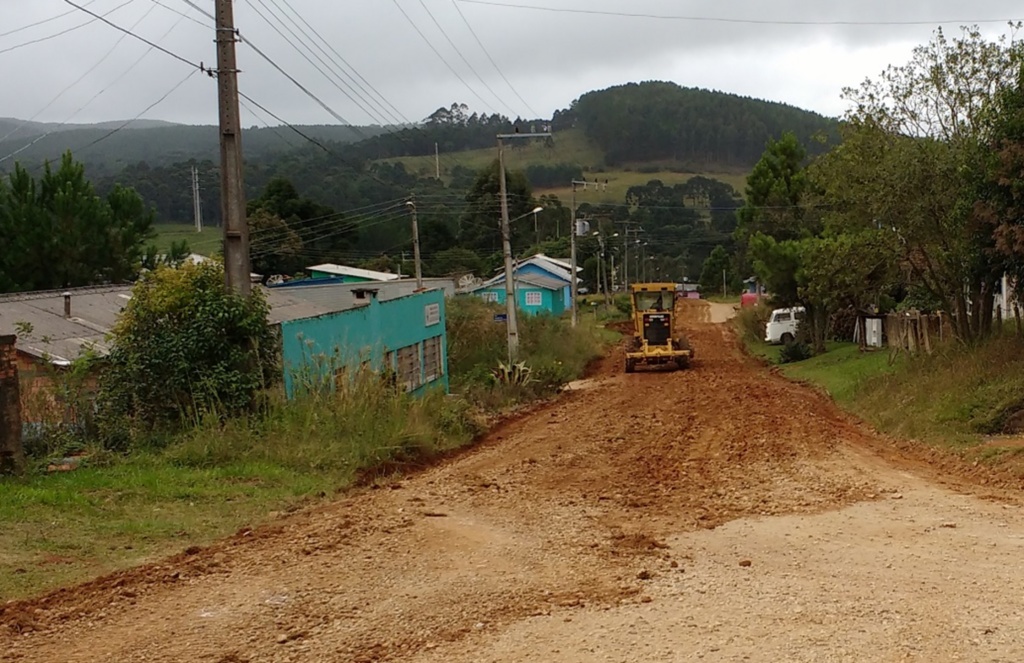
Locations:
569 147
206 242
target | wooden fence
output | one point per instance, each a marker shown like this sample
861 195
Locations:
914 332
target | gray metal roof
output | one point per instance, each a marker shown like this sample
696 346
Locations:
342 296
94 311
537 280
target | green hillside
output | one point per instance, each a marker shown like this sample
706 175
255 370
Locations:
569 147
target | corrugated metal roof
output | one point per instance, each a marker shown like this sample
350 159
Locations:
356 272
536 280
94 311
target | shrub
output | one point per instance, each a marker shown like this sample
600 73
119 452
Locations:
751 322
554 351
794 352
184 347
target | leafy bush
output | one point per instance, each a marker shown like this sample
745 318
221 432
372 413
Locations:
554 351
794 352
751 322
184 347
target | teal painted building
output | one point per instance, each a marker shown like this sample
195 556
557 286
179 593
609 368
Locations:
405 336
535 294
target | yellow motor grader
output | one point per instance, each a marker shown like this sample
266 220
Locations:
653 342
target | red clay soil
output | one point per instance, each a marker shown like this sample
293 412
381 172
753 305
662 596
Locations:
565 507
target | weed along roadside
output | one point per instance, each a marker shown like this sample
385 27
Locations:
150 482
966 400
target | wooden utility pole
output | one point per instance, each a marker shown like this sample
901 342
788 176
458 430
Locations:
232 193
12 453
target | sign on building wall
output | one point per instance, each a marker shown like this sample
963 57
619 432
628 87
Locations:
432 314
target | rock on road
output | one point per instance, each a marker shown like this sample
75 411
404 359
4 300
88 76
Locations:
720 513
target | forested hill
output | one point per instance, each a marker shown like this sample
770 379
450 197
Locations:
656 121
107 148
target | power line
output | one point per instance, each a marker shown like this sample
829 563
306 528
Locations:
296 41
76 82
278 118
495 64
42 22
132 34
722 19
183 14
144 111
71 29
291 78
459 53
441 57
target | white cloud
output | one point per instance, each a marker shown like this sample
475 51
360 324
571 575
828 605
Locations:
550 58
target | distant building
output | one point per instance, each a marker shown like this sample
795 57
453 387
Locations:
349 274
535 293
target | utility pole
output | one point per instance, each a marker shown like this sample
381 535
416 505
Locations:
236 229
512 325
536 229
416 245
725 291
437 162
197 206
574 288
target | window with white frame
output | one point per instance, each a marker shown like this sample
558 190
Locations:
489 296
433 366
409 369
533 298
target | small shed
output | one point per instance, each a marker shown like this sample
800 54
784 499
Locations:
535 294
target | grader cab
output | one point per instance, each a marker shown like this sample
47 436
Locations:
655 341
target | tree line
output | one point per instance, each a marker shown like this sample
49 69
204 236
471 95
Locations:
918 206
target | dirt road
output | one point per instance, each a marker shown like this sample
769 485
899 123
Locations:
717 514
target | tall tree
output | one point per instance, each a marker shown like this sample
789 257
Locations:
911 161
58 233
480 224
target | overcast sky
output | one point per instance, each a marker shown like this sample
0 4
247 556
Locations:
550 58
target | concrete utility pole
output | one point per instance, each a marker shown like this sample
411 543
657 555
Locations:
232 193
12 453
512 326
573 231
197 206
437 162
416 245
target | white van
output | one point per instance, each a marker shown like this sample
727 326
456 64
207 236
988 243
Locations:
782 324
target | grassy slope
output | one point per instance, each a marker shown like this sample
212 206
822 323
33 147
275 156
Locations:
206 243
958 398
570 147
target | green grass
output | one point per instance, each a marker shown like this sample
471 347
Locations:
62 528
570 147
207 242
956 398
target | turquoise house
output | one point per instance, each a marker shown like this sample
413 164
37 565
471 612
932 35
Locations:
535 294
404 336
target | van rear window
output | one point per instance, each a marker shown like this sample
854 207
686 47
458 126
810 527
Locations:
782 317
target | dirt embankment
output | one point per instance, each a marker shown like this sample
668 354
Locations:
717 513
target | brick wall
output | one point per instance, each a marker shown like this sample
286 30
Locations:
12 455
